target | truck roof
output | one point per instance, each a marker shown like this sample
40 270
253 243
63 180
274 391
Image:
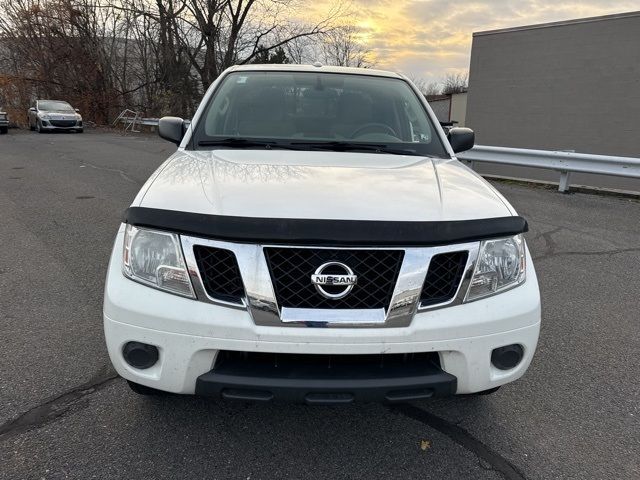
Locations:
314 68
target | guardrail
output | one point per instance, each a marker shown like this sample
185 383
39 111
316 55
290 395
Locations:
150 122
564 162
131 119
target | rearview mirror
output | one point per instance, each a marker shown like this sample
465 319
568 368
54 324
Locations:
461 139
172 129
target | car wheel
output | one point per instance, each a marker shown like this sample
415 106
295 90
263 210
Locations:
39 127
144 390
31 127
80 131
4 129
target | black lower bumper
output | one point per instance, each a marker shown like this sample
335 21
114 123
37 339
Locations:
301 379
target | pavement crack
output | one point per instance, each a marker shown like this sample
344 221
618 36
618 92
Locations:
56 407
463 438
549 242
120 172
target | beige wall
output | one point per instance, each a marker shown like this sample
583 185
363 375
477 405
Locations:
458 109
451 108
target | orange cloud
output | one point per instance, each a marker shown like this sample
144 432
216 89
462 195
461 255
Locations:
429 38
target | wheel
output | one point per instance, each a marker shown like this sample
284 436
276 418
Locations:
39 127
80 131
144 390
31 127
4 129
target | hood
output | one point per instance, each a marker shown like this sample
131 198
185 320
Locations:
71 113
321 185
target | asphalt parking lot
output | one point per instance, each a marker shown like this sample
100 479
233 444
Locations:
64 414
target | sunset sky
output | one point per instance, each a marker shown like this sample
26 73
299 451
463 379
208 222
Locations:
430 38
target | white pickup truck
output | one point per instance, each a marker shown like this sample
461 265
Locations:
314 240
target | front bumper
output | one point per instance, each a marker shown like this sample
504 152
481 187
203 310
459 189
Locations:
325 379
189 334
52 125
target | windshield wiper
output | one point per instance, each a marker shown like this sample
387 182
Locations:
350 147
234 142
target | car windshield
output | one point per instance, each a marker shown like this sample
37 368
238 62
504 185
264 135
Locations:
308 110
54 106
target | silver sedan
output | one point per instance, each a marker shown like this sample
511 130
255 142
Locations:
50 115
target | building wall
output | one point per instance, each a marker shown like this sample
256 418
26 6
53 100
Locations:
441 108
572 86
458 109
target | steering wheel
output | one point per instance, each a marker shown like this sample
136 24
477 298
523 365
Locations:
380 127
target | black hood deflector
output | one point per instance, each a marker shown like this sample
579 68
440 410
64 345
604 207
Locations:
293 231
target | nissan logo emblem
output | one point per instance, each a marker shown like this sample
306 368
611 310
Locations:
334 275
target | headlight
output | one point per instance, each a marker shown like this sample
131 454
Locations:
155 258
501 265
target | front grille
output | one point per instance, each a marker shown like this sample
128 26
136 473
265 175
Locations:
63 123
444 276
220 273
291 270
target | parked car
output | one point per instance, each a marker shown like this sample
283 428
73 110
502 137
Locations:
4 121
50 115
314 239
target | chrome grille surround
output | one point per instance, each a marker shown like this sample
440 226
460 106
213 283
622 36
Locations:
260 300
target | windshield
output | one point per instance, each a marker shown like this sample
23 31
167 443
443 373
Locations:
53 105
305 110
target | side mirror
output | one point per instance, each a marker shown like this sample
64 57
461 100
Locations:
461 139
77 110
32 109
172 129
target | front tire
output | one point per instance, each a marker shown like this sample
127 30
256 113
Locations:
80 131
39 127
4 129
31 127
144 390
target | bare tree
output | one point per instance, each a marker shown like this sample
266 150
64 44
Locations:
157 56
342 47
455 83
426 88
58 48
216 34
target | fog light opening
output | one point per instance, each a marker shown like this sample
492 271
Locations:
140 355
507 357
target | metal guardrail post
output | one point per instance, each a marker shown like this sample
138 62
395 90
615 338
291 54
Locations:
565 176
563 186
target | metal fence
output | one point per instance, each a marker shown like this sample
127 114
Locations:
564 162
133 120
